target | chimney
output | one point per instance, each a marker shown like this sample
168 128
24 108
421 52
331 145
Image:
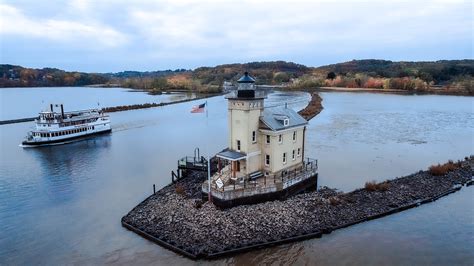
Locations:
51 106
62 111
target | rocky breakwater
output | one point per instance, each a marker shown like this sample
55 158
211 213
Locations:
121 108
176 218
313 108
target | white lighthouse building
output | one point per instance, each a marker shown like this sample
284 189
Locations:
265 150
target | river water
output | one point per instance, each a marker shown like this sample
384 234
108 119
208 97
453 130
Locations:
62 204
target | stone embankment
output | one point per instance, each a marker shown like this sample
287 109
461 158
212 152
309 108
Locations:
313 108
118 108
176 218
151 105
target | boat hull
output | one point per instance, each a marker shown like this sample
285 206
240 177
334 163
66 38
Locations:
63 140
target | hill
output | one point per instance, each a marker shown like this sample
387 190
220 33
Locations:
17 76
454 76
438 71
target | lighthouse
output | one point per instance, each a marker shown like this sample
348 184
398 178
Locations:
265 150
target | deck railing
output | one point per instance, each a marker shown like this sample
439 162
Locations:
264 184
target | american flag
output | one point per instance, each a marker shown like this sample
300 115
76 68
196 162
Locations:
198 108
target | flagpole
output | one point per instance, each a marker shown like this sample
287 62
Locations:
208 160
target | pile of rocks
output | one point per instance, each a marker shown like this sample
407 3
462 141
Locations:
175 221
121 108
313 108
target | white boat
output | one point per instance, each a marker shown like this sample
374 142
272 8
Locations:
61 127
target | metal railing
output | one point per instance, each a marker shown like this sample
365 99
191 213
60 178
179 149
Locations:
267 182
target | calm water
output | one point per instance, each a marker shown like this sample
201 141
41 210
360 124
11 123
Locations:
63 204
27 102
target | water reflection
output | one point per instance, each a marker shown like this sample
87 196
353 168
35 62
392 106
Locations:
64 165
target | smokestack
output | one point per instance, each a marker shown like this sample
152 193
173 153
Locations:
51 106
62 111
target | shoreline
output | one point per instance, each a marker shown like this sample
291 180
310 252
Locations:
392 91
180 222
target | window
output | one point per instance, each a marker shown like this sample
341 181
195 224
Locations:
280 138
254 136
286 122
267 159
299 152
293 155
268 139
238 145
237 166
294 135
284 157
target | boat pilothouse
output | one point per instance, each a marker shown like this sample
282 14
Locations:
54 127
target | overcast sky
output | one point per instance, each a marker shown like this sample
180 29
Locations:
110 36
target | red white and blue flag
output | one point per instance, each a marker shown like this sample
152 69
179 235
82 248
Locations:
198 108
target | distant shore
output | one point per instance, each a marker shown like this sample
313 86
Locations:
431 91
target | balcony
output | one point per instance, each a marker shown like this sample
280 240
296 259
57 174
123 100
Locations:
230 190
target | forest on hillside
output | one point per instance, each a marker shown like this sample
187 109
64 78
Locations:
453 75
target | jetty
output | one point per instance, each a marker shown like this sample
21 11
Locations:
119 108
177 218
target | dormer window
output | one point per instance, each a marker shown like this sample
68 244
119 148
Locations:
285 120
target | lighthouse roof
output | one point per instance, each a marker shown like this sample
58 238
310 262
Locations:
274 118
246 78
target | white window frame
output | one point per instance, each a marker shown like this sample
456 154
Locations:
293 155
238 145
284 158
286 122
280 138
254 136
299 152
267 159
268 139
294 135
